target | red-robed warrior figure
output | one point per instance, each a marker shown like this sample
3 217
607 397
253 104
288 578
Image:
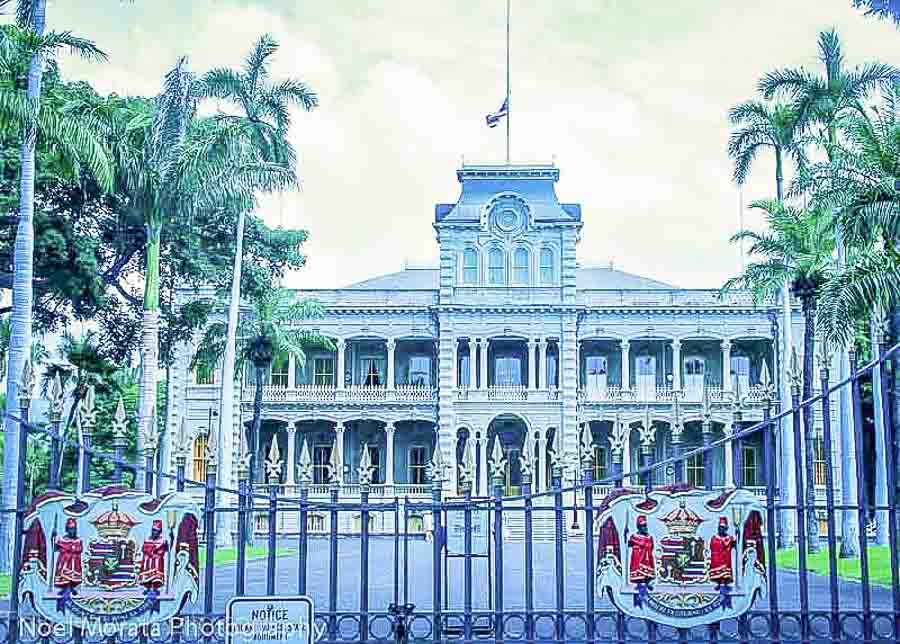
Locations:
720 547
67 573
153 564
641 568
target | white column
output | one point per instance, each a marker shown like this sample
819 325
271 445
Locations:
881 492
291 463
532 362
292 374
339 435
483 473
339 376
473 364
626 369
542 372
391 345
542 465
389 456
729 455
485 345
676 364
726 365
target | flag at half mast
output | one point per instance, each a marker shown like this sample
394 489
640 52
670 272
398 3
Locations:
494 119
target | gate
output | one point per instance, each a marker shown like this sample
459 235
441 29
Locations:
452 571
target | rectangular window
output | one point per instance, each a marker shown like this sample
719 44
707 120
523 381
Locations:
280 372
546 266
694 470
464 371
507 371
819 463
595 369
420 371
600 469
323 372
321 454
199 458
204 374
750 465
372 372
552 380
418 464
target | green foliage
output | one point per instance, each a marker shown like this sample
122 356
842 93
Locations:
885 9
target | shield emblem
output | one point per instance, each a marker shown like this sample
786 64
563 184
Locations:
682 557
113 557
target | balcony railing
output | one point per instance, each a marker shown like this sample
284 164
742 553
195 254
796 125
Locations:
327 393
664 393
507 392
377 490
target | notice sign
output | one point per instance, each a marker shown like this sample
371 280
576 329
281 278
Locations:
456 531
265 620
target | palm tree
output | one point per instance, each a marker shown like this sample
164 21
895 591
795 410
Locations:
886 9
31 18
797 248
826 101
270 329
762 126
264 120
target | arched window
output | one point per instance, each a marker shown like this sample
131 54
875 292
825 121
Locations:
520 266
496 267
199 458
470 266
547 272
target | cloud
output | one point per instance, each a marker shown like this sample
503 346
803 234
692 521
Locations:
630 98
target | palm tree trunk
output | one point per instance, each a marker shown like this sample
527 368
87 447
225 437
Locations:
809 339
849 489
226 401
149 337
787 472
23 297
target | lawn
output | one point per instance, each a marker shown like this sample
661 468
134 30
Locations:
879 564
229 555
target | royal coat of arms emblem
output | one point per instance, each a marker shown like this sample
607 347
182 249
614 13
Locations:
112 556
682 557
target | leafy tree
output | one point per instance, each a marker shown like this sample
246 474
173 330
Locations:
264 121
271 328
886 9
797 248
825 102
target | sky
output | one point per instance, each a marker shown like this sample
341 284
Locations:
629 98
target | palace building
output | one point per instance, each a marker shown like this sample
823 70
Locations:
509 338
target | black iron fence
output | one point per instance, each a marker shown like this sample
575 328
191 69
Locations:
504 569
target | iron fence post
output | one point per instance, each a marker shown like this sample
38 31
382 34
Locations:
587 478
243 512
180 462
334 489
769 463
272 540
467 560
25 386
364 557
498 553
833 592
529 556
87 417
437 541
149 469
800 492
558 550
303 542
862 500
56 411
891 482
209 525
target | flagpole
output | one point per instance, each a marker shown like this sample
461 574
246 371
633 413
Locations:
507 82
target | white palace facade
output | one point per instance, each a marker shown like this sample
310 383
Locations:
509 338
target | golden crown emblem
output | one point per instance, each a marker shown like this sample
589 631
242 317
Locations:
682 521
114 524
